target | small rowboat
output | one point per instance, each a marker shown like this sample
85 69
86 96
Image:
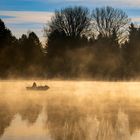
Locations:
38 88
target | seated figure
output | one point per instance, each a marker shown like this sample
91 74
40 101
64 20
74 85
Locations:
34 85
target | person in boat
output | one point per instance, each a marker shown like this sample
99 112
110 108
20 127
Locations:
34 85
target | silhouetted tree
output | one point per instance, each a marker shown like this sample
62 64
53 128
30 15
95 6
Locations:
8 50
107 20
24 56
66 31
5 35
107 58
31 54
72 22
131 53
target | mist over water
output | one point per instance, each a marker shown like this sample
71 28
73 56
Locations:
70 110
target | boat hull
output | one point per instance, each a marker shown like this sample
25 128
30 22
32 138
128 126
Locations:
38 88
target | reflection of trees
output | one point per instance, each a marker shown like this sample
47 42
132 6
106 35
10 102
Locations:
134 117
122 126
68 123
134 120
128 119
114 119
68 119
105 131
6 116
120 132
63 122
30 111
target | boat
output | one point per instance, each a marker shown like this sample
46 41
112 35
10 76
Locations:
35 87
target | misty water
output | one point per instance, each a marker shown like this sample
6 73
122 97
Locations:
70 110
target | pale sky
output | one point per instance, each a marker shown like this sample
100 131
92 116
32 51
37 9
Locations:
21 16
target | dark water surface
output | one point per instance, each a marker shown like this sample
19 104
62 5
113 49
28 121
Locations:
70 110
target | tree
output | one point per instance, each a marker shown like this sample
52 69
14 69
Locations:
67 31
8 50
131 52
72 22
31 54
6 38
35 48
107 20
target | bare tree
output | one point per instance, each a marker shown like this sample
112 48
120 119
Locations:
106 20
71 21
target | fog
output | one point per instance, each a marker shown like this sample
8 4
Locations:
70 110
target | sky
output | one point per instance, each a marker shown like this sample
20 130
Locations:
22 16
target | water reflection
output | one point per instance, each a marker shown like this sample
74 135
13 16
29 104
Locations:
6 116
60 116
122 126
63 120
30 111
111 120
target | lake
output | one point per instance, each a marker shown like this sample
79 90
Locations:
70 110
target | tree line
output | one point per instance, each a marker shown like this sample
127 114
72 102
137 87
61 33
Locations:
98 44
